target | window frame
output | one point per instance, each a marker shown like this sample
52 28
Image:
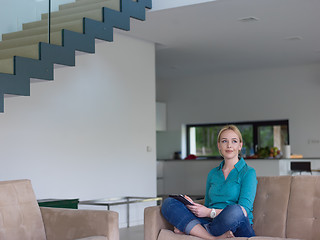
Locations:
255 126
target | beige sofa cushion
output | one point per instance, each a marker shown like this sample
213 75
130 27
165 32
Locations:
170 235
70 224
270 238
20 216
154 222
93 238
270 206
304 208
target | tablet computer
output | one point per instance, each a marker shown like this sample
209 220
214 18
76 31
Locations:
182 198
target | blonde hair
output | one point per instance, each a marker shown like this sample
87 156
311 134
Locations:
230 127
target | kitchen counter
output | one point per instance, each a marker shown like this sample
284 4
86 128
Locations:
271 159
189 176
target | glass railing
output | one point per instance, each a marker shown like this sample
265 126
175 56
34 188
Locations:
15 13
25 23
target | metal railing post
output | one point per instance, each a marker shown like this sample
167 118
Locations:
49 22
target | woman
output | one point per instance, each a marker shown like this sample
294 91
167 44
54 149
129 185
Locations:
230 192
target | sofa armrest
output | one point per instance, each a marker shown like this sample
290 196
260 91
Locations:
67 224
154 222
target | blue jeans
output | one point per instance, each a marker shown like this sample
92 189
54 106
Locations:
231 218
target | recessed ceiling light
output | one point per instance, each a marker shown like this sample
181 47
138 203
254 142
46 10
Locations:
249 19
294 38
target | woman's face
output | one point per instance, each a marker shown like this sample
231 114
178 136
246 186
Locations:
229 144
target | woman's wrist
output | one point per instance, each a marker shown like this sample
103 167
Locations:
213 213
208 213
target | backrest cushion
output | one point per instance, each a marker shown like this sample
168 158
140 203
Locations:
270 206
304 208
20 216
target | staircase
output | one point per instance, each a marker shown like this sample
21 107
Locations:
27 54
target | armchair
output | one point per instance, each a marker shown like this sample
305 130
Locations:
22 218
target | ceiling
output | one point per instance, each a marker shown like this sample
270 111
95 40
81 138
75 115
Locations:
232 35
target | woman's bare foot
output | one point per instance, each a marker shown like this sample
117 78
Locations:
228 234
177 231
199 231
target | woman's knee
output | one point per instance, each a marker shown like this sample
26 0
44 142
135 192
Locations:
233 212
229 219
168 204
177 213
234 209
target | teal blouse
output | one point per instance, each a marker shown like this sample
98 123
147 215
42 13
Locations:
239 187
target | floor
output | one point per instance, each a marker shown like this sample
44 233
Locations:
132 233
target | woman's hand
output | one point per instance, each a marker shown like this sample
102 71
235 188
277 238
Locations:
199 210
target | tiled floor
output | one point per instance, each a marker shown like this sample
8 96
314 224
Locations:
132 233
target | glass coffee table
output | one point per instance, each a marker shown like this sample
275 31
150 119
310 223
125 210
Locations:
108 202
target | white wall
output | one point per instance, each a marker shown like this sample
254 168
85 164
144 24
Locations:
283 93
165 4
85 134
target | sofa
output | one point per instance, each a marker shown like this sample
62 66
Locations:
21 218
285 207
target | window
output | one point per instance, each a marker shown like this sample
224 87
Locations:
258 137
